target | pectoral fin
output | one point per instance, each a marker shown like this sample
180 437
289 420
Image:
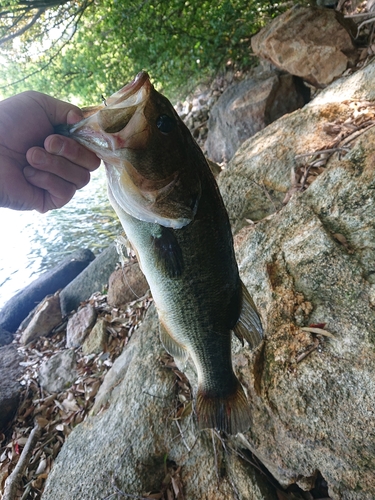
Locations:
171 346
168 252
248 326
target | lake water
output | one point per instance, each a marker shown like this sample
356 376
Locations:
32 243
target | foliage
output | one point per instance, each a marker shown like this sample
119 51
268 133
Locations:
85 48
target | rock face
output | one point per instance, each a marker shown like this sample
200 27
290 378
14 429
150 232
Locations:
309 266
10 388
247 107
309 42
255 182
311 263
133 438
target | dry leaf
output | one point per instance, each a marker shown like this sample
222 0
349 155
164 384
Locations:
319 331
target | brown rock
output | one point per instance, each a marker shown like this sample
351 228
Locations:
309 42
126 284
46 317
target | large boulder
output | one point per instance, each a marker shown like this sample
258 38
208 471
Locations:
311 263
250 105
133 440
309 42
255 182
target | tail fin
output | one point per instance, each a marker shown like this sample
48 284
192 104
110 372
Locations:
229 413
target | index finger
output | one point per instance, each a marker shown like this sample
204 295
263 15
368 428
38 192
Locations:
72 151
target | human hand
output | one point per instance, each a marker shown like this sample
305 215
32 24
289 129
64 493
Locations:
33 176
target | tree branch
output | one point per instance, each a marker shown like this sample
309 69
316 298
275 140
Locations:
22 30
13 481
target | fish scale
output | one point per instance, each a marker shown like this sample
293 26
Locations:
170 207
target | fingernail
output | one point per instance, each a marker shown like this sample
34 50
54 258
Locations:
29 172
55 145
73 117
38 157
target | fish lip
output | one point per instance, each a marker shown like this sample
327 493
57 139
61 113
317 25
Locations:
141 79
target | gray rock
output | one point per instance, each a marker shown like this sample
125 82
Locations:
312 397
309 42
255 182
126 443
79 325
249 106
19 306
126 284
46 317
10 388
5 337
59 372
92 279
96 339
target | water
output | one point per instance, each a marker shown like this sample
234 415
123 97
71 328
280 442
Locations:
32 243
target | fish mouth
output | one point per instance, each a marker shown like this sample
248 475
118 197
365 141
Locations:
101 127
117 130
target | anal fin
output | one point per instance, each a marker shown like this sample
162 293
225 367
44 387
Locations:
171 346
248 326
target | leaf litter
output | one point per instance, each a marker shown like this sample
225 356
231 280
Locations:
55 415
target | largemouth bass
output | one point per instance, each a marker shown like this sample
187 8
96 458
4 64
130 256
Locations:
170 207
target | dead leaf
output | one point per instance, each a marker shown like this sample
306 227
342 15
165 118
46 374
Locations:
318 331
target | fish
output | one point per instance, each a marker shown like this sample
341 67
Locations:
170 207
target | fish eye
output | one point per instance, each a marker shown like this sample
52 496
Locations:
165 124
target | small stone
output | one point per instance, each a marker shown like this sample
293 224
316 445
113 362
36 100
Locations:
96 339
79 325
46 317
59 372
